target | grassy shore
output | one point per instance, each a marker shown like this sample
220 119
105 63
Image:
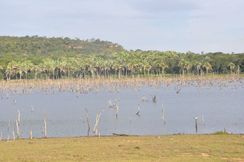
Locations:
131 148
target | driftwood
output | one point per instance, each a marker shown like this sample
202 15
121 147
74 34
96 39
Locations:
118 134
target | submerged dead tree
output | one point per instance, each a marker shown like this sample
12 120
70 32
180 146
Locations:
30 135
9 130
14 135
88 123
154 99
114 106
196 124
117 111
163 115
138 111
31 132
45 127
17 123
95 128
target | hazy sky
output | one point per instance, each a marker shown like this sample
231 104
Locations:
181 25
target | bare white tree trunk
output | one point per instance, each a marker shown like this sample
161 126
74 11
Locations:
17 123
13 135
163 115
95 128
17 129
238 69
88 123
9 125
196 124
1 136
31 134
18 116
45 127
117 111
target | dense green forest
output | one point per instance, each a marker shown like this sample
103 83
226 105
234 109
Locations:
41 57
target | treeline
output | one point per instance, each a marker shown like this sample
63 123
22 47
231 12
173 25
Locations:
40 57
126 63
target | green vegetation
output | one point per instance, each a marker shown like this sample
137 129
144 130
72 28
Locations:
40 57
130 148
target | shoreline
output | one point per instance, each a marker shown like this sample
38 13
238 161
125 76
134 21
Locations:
217 133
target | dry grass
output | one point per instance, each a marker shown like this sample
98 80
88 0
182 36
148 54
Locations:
131 148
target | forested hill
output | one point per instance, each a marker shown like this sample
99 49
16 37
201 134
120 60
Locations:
35 45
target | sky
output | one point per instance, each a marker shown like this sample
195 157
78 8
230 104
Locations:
178 25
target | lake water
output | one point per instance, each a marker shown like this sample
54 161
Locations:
217 108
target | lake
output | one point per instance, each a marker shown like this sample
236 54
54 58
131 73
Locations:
145 110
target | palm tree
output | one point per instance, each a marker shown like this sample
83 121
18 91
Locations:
12 69
36 69
81 65
27 65
207 66
160 63
1 69
60 65
116 67
71 65
20 69
163 66
238 69
90 65
185 66
119 64
41 68
146 67
50 66
125 57
231 66
198 66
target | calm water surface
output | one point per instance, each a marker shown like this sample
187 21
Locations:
217 108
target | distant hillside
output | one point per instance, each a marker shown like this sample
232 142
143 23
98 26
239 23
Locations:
35 45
